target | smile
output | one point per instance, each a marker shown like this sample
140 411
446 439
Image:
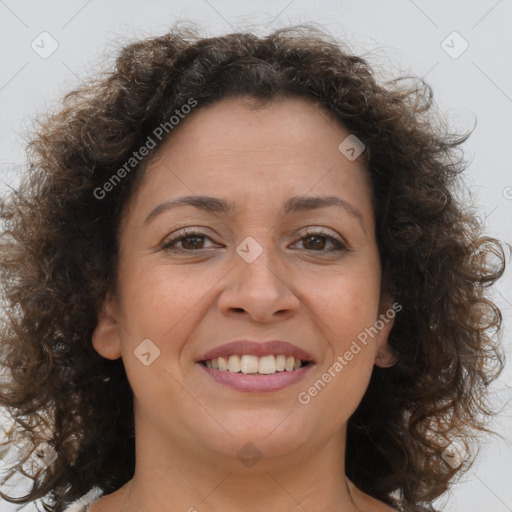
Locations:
244 377
251 364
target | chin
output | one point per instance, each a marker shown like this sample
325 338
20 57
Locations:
274 435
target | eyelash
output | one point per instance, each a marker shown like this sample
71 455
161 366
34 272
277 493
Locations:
185 233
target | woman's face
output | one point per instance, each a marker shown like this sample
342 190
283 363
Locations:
279 259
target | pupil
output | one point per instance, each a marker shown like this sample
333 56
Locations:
197 241
318 242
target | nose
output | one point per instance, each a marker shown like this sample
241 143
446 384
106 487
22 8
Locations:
261 290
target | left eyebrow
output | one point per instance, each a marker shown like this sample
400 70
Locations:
292 205
304 203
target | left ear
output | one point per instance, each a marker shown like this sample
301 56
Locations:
386 356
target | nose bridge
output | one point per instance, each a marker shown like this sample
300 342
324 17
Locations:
258 264
257 286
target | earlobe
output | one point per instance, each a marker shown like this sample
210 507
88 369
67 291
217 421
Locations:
386 355
105 337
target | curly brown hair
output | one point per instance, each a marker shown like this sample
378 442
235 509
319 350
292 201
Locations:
59 253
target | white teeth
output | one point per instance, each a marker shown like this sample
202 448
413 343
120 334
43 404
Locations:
234 364
250 364
267 365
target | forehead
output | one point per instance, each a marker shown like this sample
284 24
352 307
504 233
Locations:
285 147
241 123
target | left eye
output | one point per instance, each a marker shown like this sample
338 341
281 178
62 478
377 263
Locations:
320 241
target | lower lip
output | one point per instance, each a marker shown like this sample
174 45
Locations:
254 383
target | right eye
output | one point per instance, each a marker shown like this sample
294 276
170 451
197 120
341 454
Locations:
191 240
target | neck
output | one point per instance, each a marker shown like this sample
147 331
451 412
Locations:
185 478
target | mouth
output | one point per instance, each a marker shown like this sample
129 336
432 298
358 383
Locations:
249 364
256 366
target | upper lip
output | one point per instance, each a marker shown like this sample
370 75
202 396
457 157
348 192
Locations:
257 348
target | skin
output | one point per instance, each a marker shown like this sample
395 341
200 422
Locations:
189 428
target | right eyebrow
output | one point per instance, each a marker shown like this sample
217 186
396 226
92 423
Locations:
204 203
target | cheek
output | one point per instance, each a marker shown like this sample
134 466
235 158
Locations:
161 305
159 310
347 306
158 300
344 372
347 303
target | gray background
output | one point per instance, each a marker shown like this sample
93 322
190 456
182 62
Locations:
397 37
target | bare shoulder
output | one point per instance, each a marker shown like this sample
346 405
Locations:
367 503
377 506
111 502
105 504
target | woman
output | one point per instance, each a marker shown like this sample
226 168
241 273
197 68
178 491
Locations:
238 278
